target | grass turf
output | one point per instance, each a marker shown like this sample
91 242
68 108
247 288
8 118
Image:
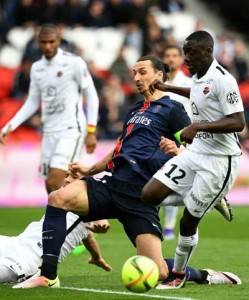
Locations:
222 246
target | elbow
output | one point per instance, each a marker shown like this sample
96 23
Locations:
241 125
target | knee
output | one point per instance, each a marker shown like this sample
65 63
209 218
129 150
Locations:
54 199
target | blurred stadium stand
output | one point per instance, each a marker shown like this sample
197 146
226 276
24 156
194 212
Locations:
110 35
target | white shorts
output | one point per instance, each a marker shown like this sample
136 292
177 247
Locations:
15 257
202 180
59 149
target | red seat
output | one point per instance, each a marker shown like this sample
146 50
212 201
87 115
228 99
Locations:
6 81
244 92
8 108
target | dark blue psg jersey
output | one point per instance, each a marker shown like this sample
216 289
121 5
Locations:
137 155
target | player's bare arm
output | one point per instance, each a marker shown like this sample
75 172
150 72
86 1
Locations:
169 147
78 170
101 226
4 135
90 142
159 85
232 123
96 258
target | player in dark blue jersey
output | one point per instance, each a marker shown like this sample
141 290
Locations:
134 160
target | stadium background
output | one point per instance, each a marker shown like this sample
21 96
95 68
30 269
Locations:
110 36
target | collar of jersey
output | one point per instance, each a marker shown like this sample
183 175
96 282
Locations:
209 73
55 58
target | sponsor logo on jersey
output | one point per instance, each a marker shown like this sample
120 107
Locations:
206 90
232 98
51 91
204 135
139 120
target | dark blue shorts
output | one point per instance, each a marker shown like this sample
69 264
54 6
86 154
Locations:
110 198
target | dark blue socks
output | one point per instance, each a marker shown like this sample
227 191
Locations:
53 236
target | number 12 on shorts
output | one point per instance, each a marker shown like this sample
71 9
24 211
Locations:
175 173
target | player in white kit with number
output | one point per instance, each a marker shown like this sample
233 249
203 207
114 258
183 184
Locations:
59 80
206 171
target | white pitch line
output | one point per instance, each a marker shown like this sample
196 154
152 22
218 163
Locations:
126 293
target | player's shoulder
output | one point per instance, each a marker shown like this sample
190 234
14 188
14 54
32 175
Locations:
223 78
38 66
221 73
65 55
167 102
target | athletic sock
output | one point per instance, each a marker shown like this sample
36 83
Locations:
185 248
49 266
192 274
53 236
170 216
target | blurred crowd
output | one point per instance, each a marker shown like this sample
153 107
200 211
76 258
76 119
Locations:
114 85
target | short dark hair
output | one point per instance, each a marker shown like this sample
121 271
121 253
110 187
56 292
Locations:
201 36
157 64
49 28
178 48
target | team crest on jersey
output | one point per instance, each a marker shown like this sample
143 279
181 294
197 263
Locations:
59 74
206 90
232 98
157 108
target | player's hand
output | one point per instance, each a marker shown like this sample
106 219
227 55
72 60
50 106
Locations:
157 85
77 170
188 133
168 146
101 226
100 262
3 136
91 142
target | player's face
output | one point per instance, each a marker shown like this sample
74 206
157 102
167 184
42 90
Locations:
173 58
197 57
49 44
144 75
68 179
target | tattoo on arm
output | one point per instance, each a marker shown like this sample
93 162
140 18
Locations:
94 170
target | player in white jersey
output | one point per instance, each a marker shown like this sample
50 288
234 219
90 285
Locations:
172 56
21 256
206 171
59 80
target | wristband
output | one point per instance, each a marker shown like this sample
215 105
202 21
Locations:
91 128
177 136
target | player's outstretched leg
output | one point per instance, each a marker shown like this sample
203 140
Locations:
205 276
225 209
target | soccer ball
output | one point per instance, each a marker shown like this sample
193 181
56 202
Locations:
139 274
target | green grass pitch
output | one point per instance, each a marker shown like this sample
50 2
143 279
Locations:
222 246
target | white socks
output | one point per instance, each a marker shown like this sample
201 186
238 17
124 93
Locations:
185 248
